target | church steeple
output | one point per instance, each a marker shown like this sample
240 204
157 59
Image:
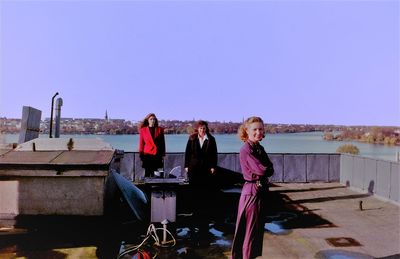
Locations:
106 117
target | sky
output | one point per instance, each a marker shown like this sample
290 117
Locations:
292 62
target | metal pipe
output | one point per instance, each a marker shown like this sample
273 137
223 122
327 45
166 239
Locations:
59 103
51 115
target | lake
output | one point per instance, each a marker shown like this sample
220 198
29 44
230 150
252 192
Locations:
310 142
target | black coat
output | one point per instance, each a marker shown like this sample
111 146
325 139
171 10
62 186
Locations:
200 160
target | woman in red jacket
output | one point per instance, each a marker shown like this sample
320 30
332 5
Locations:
151 145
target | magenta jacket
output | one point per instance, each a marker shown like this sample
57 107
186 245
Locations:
255 164
249 233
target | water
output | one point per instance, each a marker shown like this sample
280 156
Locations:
310 142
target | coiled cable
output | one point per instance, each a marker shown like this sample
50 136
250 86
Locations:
151 232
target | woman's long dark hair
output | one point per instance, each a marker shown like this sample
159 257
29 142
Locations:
196 128
145 121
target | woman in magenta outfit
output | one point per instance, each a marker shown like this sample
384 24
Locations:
256 168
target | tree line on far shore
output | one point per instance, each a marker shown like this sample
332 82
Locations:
121 126
369 134
372 135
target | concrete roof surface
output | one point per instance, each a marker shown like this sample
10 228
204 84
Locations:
345 231
310 220
54 144
102 157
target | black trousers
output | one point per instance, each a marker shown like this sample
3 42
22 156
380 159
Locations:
151 163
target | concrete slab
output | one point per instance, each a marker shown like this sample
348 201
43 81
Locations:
383 179
28 157
52 144
4 151
346 169
277 160
103 157
376 227
84 157
370 175
317 168
227 161
316 214
358 172
334 168
295 168
394 178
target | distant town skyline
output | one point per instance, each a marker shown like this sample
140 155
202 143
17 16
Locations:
290 62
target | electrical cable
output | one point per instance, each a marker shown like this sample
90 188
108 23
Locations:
151 232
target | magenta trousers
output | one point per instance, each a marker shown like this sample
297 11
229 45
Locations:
249 233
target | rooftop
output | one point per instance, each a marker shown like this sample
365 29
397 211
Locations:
310 220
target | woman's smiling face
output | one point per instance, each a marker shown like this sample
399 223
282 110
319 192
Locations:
255 132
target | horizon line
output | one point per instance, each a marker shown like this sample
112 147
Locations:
210 121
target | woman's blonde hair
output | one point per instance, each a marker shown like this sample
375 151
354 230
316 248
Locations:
242 133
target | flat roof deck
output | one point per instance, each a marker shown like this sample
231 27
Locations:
373 232
311 220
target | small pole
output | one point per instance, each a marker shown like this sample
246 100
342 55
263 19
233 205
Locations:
164 223
51 115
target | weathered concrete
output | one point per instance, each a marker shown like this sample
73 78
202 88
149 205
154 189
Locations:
334 167
367 174
295 169
45 144
277 160
310 213
383 181
229 161
57 196
54 182
370 175
9 198
395 182
376 227
358 173
317 168
288 167
346 169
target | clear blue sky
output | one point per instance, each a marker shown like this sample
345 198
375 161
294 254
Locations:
315 62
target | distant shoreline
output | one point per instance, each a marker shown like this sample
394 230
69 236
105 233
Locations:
312 142
124 127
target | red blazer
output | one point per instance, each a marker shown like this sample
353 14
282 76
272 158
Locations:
148 146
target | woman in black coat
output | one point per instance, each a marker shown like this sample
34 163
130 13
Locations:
201 157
